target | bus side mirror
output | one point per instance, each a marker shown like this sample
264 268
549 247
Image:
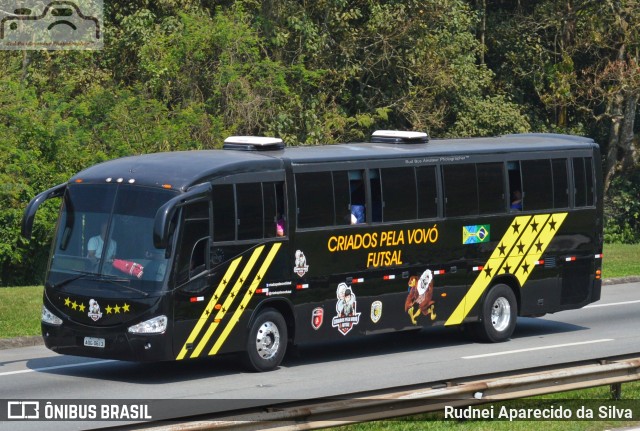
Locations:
30 212
162 226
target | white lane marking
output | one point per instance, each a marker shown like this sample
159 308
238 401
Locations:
556 346
57 367
612 304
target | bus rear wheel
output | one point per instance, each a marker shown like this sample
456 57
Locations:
498 315
266 341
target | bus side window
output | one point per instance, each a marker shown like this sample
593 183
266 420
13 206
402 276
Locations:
491 196
314 197
583 181
399 194
461 190
560 183
274 210
224 213
536 179
250 216
516 193
357 197
427 192
342 198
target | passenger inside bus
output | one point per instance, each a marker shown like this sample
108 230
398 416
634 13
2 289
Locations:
516 201
358 214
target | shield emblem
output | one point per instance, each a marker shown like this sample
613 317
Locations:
317 317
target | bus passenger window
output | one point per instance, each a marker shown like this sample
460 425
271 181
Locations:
583 181
314 195
427 192
560 183
274 212
490 188
224 213
461 190
376 195
515 186
342 197
357 197
399 194
537 183
250 217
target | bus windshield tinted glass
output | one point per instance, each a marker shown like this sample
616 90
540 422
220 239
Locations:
106 232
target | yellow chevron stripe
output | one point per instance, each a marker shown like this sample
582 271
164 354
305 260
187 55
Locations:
521 246
209 309
245 301
228 301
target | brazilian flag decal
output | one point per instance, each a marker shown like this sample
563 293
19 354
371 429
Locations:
476 234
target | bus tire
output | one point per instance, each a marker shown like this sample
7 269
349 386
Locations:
266 341
498 315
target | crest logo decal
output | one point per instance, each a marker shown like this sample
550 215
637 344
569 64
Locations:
301 266
317 317
94 310
347 316
376 311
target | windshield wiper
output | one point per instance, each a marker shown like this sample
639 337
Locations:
81 274
118 281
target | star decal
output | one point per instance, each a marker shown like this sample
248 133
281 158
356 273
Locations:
507 269
534 226
116 309
539 246
516 228
74 305
502 248
67 302
125 308
521 247
488 271
525 268
552 223
108 309
82 307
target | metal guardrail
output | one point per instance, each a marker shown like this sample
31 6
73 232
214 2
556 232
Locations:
394 402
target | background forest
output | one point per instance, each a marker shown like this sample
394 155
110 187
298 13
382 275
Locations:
184 74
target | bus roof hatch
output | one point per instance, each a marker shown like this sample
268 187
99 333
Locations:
253 143
399 137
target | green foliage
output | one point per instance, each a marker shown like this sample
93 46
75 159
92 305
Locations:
622 210
183 74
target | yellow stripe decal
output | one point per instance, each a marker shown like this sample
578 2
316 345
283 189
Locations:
245 301
210 306
517 253
228 301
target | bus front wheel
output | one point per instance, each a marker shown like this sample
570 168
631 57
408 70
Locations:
498 315
266 341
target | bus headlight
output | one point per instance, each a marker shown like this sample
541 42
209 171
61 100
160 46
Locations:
49 317
157 325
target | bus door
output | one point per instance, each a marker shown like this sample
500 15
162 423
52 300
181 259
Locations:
239 263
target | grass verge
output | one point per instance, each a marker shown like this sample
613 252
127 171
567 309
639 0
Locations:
20 311
620 260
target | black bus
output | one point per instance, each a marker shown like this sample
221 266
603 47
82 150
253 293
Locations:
184 255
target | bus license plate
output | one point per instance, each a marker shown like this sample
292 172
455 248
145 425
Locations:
94 342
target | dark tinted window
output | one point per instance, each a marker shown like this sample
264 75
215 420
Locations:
224 213
427 192
342 196
560 184
399 194
583 181
250 211
537 185
314 192
490 188
461 190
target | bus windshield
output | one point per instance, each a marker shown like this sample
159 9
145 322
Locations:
106 233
